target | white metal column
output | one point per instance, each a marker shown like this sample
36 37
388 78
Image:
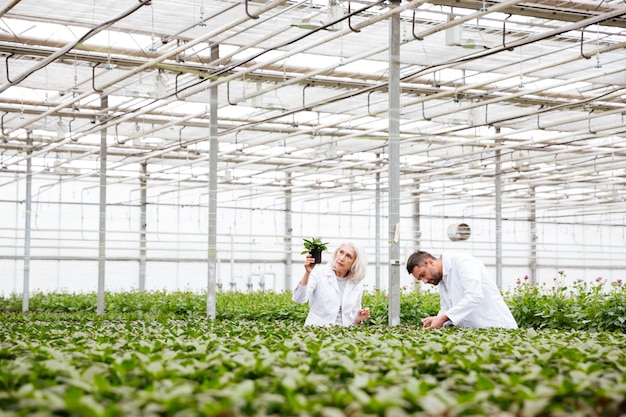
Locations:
143 226
394 169
378 203
288 232
27 222
211 298
104 103
533 236
498 186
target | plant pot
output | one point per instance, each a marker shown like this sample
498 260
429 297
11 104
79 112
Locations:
317 254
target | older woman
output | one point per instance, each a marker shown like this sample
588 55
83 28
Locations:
334 290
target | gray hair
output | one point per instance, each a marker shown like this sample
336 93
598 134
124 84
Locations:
359 267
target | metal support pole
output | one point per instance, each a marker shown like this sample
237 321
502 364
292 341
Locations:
417 232
288 232
143 226
533 236
211 299
27 224
394 170
104 103
378 215
498 186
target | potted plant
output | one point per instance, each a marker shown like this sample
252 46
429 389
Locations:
315 247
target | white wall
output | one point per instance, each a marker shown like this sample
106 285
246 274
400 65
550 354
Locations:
251 233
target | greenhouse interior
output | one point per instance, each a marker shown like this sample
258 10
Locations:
164 165
193 145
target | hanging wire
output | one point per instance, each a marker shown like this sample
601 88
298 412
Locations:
153 37
598 65
201 23
521 68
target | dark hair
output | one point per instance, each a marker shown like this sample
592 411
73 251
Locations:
417 259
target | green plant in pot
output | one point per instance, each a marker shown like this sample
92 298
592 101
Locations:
315 247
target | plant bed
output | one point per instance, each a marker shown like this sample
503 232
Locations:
86 366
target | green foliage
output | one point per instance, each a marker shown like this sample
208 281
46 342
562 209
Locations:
596 306
75 364
314 243
155 353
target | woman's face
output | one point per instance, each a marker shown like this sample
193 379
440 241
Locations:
344 260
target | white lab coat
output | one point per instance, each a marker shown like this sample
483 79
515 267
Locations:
322 293
469 296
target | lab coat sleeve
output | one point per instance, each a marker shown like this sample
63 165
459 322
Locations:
302 293
468 290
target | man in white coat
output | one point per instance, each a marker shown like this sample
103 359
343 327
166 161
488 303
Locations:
468 295
334 291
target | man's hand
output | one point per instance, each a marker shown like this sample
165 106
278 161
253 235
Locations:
434 322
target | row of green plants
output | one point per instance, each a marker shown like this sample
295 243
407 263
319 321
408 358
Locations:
69 364
579 305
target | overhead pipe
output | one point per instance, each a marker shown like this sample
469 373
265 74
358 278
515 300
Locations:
451 62
147 157
483 103
185 46
276 47
153 62
533 143
456 22
227 78
359 134
415 2
542 179
470 86
8 7
503 77
72 45
522 42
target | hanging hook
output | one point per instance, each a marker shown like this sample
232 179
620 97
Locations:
582 41
419 38
304 96
117 136
236 145
176 85
349 22
369 112
6 60
504 33
180 136
251 16
228 94
70 129
4 135
93 78
424 113
591 132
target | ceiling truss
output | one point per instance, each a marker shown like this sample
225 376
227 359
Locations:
537 87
